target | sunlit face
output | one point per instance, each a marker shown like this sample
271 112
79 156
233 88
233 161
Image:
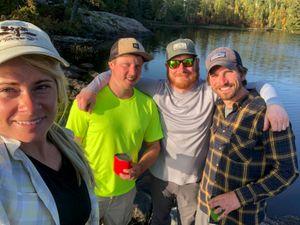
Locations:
126 71
183 78
226 83
28 101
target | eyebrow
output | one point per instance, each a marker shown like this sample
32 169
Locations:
16 83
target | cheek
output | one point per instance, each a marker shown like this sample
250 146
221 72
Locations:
212 82
50 103
7 108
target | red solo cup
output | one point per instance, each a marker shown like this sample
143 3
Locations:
121 161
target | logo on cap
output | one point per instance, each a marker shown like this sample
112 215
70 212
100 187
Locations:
179 46
135 45
15 33
218 55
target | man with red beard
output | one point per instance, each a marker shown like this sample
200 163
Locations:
186 105
245 165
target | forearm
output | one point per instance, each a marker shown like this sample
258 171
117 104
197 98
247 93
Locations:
150 155
267 187
281 154
99 82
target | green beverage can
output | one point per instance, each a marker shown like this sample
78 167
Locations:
215 216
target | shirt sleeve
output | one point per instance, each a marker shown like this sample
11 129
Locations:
266 91
99 82
146 85
281 156
149 86
77 121
154 131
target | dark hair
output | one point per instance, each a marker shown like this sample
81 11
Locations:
241 69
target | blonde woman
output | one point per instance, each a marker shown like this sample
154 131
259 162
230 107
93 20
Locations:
44 177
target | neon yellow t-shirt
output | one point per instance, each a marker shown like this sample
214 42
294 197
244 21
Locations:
115 126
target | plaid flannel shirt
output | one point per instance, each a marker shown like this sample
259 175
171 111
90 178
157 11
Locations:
244 159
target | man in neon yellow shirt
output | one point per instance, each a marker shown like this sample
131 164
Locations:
122 120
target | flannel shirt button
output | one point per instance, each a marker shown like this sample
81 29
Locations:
217 165
223 130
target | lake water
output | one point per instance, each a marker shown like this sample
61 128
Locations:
273 57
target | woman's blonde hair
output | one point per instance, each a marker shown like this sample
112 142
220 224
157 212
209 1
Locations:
58 135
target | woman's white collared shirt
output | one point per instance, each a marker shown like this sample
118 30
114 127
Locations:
24 197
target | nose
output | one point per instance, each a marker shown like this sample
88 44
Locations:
222 79
27 103
134 70
181 67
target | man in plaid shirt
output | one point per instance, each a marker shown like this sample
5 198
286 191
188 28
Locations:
244 165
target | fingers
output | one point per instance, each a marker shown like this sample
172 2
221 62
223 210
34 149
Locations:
82 105
280 124
86 100
277 117
90 107
266 124
218 210
129 174
223 204
222 215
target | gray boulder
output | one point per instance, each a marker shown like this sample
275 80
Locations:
104 25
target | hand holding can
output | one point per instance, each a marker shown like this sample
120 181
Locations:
122 161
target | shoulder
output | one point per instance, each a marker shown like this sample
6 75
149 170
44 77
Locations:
256 101
144 100
141 96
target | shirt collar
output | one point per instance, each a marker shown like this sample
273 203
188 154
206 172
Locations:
241 101
11 144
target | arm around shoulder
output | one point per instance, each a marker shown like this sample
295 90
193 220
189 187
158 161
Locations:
86 99
276 116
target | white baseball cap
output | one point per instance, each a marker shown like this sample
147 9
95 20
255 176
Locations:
22 38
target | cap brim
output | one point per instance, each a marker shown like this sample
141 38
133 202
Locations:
16 51
181 53
227 65
146 57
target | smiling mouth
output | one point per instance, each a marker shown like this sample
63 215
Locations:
224 88
30 122
131 78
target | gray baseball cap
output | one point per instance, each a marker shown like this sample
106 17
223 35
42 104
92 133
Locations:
223 56
180 47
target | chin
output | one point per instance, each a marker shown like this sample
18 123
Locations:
33 137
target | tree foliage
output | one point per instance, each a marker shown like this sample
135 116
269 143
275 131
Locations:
271 14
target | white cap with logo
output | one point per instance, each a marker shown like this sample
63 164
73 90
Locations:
19 38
